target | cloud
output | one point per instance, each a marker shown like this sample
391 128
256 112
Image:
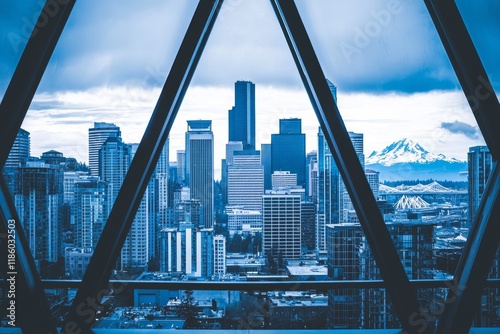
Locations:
125 42
461 128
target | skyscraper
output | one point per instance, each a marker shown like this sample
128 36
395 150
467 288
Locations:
20 151
242 115
181 166
480 166
89 208
97 136
200 166
281 225
114 161
246 180
265 158
38 198
288 149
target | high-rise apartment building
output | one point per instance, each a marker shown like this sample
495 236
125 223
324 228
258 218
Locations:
187 250
281 225
245 182
90 211
38 198
242 115
219 255
141 244
20 151
97 136
114 161
288 149
200 166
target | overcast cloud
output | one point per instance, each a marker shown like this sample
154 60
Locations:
384 56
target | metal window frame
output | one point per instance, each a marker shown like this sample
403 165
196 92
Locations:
96 278
484 236
33 308
482 242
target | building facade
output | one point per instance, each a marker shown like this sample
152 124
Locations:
200 166
242 115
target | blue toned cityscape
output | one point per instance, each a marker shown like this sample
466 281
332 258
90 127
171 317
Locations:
243 166
277 213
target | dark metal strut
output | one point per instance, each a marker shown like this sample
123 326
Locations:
402 294
484 235
32 308
95 281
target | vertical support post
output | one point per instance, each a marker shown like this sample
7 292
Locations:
95 281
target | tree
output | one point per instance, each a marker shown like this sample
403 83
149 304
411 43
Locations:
188 309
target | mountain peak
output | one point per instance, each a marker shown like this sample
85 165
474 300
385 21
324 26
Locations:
405 151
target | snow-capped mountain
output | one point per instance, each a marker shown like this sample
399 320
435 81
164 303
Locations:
405 151
407 160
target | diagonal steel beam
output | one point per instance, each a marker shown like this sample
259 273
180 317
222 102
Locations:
484 236
95 281
33 312
475 263
29 71
403 295
469 69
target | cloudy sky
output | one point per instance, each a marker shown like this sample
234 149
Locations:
393 77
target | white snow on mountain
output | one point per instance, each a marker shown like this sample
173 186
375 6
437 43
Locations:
405 151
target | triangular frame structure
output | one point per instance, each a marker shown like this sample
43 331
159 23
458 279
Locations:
483 240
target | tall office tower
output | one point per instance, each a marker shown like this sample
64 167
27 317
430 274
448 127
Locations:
308 225
38 198
20 151
162 176
283 179
281 225
181 166
231 147
373 178
89 208
114 161
311 171
200 166
140 245
219 255
328 192
265 158
97 136
242 115
288 149
480 166
245 180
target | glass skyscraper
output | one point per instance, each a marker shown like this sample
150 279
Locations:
200 166
242 115
97 136
288 149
